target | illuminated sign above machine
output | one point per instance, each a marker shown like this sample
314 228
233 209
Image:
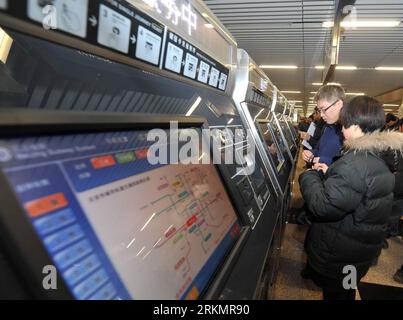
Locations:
170 8
181 57
134 32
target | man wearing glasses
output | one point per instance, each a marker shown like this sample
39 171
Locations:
329 100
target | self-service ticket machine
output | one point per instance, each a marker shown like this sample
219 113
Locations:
127 57
279 114
278 117
295 118
289 115
256 100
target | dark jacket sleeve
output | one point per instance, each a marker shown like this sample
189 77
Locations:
331 199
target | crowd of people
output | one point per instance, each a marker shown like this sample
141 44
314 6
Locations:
352 188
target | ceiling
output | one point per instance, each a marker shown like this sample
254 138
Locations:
288 32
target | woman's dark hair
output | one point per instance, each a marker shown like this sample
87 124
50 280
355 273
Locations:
364 111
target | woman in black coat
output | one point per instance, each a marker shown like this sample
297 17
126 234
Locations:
350 201
394 159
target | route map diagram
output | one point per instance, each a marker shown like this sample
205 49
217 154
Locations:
160 232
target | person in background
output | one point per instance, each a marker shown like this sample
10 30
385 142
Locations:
400 125
319 128
330 100
304 124
392 122
350 201
307 135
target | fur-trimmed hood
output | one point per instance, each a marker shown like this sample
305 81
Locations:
376 142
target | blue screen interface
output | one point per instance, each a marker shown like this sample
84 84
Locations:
115 225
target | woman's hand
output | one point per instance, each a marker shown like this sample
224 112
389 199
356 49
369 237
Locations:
321 166
307 156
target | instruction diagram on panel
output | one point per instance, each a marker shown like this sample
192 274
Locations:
214 77
3 4
173 60
114 29
148 46
165 227
71 15
190 66
203 72
223 81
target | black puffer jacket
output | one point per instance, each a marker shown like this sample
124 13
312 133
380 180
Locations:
394 158
351 207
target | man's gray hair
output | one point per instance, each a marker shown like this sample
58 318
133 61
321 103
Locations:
330 93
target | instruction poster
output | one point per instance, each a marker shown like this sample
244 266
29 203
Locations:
190 66
203 72
114 29
148 46
173 59
223 82
214 77
71 15
122 27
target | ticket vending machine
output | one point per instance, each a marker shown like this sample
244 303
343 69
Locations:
80 193
126 57
255 97
284 134
295 118
294 124
289 114
279 116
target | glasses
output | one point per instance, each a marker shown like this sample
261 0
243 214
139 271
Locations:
324 110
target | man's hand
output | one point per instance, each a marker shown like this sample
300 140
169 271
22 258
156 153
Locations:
307 156
321 166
